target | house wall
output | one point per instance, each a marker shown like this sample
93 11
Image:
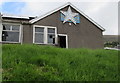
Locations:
27 33
82 35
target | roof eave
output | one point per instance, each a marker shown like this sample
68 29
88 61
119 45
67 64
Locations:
48 13
40 17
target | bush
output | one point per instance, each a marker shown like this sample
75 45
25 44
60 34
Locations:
111 44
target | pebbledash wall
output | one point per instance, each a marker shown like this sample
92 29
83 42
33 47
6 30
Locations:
85 34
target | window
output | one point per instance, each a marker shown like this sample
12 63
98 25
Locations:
39 35
11 33
51 35
44 35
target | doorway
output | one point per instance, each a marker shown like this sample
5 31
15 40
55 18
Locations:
62 41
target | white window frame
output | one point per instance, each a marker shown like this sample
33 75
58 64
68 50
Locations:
20 33
66 38
45 34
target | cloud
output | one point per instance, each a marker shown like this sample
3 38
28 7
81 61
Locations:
104 13
39 8
107 16
65 0
1 5
14 6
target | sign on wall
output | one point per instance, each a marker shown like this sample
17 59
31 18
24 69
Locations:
69 16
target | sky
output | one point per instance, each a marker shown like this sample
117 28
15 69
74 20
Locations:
104 12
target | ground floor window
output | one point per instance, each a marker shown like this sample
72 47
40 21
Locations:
11 33
39 34
51 35
44 35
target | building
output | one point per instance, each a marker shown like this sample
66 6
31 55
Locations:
66 27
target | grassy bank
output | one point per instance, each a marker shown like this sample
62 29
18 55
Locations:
36 63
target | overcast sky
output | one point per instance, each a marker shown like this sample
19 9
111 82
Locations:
104 12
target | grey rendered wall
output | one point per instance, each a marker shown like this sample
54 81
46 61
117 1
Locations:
83 35
27 33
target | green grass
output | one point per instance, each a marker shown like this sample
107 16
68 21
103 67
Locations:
47 63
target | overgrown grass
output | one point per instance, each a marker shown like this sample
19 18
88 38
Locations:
42 63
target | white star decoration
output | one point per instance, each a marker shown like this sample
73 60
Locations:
69 15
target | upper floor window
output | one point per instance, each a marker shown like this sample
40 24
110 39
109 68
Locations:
11 33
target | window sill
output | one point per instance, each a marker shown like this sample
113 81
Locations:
44 44
6 42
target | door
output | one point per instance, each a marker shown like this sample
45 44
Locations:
62 41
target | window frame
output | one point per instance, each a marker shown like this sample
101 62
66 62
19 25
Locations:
45 34
66 38
20 32
39 33
49 34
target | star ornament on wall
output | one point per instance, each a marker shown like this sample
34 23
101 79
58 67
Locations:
69 15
